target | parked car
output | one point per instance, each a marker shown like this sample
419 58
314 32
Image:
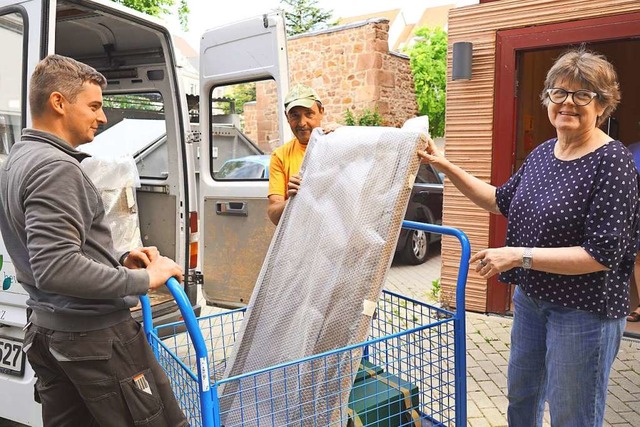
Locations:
248 167
425 205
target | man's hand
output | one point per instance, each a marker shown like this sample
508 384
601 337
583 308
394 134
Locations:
141 257
330 127
161 269
294 185
277 203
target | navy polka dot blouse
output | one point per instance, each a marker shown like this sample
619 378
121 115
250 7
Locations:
590 202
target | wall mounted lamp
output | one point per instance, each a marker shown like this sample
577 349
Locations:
462 53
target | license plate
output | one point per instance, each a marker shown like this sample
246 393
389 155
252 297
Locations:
11 356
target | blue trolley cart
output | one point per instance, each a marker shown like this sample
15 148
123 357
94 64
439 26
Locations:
411 371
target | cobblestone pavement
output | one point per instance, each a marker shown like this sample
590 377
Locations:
488 340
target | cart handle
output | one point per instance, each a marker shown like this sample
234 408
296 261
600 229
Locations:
463 269
459 324
206 395
197 339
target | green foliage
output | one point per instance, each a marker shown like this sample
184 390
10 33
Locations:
428 59
304 15
240 93
365 118
146 102
183 15
436 289
159 7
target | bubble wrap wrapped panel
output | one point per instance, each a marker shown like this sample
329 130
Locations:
116 179
322 277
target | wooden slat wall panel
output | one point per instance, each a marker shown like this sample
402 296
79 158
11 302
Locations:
469 117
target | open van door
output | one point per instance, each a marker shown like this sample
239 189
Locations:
147 119
244 78
24 39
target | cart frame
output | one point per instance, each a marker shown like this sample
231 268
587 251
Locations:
208 400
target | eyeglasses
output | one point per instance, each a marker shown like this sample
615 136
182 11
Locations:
580 97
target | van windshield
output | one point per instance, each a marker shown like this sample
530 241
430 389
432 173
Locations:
118 107
244 130
135 127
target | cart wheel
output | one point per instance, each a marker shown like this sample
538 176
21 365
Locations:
417 247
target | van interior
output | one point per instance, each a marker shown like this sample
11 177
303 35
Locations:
141 91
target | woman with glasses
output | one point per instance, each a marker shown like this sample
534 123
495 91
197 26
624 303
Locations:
572 238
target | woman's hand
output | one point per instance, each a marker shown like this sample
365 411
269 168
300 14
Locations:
496 260
478 191
430 153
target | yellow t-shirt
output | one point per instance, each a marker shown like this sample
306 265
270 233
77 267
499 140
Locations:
285 161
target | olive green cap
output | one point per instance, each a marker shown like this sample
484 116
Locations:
300 96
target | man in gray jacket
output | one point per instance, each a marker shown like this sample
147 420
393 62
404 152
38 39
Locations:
93 363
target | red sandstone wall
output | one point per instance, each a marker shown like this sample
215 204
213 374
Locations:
350 68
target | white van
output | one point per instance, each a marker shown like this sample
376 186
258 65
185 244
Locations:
216 227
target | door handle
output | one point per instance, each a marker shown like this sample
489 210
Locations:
232 208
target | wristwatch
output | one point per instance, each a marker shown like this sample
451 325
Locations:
527 258
123 257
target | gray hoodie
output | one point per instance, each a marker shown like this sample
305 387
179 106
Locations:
54 230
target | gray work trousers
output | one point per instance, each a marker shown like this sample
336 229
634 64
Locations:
107 378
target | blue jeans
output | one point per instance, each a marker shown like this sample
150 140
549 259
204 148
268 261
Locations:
563 356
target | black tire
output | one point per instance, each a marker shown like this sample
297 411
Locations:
416 249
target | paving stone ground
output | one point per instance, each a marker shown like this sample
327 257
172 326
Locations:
488 341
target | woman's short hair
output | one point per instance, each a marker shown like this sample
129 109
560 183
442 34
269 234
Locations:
591 71
57 73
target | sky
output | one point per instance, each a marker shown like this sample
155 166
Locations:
205 14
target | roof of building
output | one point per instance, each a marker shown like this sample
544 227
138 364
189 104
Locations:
405 35
406 22
186 50
437 16
387 14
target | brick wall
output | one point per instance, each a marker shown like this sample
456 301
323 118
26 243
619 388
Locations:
351 68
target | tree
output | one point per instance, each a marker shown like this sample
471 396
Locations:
304 15
159 8
240 94
428 59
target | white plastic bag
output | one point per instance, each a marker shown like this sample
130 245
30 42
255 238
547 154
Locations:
116 179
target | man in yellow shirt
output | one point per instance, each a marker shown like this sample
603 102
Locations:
304 112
